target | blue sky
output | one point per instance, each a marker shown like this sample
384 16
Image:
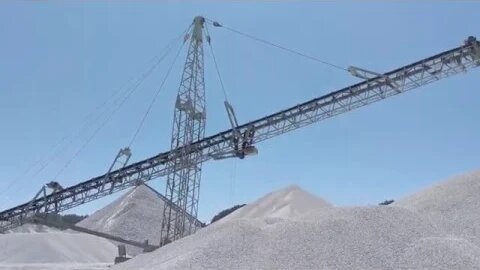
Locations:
61 60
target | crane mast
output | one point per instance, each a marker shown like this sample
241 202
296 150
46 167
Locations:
241 139
183 182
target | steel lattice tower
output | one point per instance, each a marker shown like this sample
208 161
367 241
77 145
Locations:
183 184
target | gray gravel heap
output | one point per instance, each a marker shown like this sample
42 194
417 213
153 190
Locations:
434 229
137 215
329 238
18 249
289 202
453 205
32 228
440 253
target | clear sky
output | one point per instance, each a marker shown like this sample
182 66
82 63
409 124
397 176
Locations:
60 60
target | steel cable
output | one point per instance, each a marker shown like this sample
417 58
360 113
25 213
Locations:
147 112
216 24
58 148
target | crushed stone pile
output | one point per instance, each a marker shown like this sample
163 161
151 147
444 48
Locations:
438 228
452 205
137 216
32 228
376 237
289 202
441 253
55 247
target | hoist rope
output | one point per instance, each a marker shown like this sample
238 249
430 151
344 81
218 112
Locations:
233 176
112 113
147 112
313 58
47 159
216 68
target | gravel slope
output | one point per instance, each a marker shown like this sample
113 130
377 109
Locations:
55 247
137 215
453 205
289 202
374 237
32 228
437 228
441 253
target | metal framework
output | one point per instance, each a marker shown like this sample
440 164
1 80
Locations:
183 182
119 162
420 73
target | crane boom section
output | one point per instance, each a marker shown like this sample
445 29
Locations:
425 71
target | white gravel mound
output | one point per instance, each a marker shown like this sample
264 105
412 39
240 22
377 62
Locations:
330 238
137 215
32 228
453 205
361 237
122 216
290 202
440 253
55 247
56 266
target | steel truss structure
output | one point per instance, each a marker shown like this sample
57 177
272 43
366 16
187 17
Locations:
183 184
420 73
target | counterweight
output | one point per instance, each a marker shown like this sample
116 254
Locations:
420 73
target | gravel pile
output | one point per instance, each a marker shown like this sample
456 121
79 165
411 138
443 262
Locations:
377 237
290 202
440 253
54 248
137 215
32 228
438 228
453 205
360 237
